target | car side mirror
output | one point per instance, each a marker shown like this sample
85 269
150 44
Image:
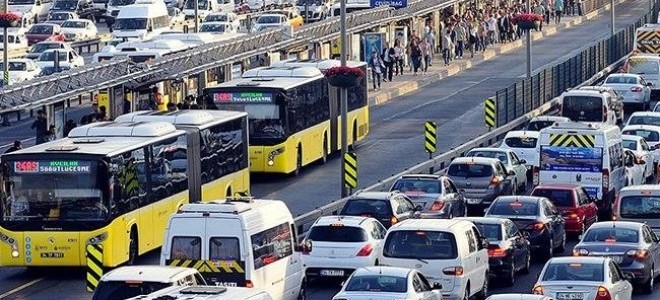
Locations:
418 208
485 243
305 246
437 286
649 84
522 161
511 173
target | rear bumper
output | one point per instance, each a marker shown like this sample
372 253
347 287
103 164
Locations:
539 241
499 266
574 225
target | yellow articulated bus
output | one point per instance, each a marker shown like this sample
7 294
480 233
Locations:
294 113
114 184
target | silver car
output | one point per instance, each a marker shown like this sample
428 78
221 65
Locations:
510 160
632 88
437 195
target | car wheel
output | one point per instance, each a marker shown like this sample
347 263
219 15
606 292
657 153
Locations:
647 288
514 190
528 263
551 248
511 276
466 296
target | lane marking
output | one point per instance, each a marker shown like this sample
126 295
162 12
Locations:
21 287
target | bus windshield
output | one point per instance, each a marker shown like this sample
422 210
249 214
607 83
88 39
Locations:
53 190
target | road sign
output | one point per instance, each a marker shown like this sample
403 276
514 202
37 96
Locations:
94 266
430 134
391 3
490 113
350 170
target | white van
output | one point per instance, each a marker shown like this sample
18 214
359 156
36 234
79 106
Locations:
142 20
238 242
590 106
206 293
525 144
36 9
131 281
206 7
590 155
449 252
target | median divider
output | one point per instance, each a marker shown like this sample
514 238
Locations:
440 162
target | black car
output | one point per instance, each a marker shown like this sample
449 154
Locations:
508 251
538 219
387 207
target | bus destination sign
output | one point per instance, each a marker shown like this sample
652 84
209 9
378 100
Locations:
243 97
55 166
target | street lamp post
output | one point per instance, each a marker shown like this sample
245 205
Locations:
343 95
529 45
196 16
5 59
612 28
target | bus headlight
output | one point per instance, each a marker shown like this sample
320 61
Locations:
14 250
273 154
97 239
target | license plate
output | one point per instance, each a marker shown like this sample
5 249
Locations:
474 201
616 259
332 272
570 296
52 255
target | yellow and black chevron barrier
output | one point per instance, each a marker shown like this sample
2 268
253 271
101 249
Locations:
490 113
430 135
572 140
648 42
208 266
94 266
350 170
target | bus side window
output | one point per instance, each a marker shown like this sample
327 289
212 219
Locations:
168 167
129 181
220 142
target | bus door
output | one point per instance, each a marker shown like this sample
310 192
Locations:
334 114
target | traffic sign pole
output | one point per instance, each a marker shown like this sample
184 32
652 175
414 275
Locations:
430 140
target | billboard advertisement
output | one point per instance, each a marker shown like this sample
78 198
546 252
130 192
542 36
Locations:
571 159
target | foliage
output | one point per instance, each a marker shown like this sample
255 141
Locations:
527 18
345 71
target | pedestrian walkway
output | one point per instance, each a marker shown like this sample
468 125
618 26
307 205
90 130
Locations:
404 84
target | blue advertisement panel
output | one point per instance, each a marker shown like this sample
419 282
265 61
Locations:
391 3
572 159
592 191
373 41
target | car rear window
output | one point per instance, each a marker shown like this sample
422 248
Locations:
611 234
108 290
621 79
643 66
639 207
345 234
644 120
538 125
513 208
420 244
367 207
428 186
492 232
470 170
500 155
574 272
521 142
649 136
583 108
560 198
630 144
377 283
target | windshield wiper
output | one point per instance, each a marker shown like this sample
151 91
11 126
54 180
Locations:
426 262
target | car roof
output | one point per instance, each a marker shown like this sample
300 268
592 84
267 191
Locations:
483 220
353 221
491 149
475 160
382 270
558 186
617 224
148 273
577 259
216 23
624 75
374 195
549 118
645 113
631 137
428 224
643 127
525 199
422 176
643 187
523 133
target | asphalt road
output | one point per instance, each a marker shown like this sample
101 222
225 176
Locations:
395 142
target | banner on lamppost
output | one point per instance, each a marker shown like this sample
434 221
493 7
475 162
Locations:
373 41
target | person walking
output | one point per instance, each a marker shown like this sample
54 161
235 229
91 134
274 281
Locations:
41 127
546 10
377 65
446 46
538 9
415 56
559 8
388 59
425 49
578 3
398 58
17 146
460 33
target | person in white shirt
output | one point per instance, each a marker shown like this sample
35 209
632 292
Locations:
398 58
492 27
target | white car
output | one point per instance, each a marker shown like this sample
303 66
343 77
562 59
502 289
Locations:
509 158
22 69
388 283
634 168
130 281
224 17
651 135
59 17
632 88
16 41
540 122
79 30
525 144
644 118
341 244
582 277
266 21
217 27
642 151
69 57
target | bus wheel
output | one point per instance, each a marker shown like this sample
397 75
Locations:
229 192
296 172
324 158
132 247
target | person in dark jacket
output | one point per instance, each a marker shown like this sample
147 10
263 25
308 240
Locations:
17 146
41 127
388 59
70 125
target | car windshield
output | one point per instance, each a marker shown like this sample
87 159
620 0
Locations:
41 29
216 18
11 39
130 24
611 235
560 198
50 56
201 4
639 207
212 28
583 108
74 24
15 66
492 232
268 20
630 144
120 2
521 142
377 283
59 16
65 5
52 70
367 207
621 79
644 120
574 272
21 2
538 125
125 290
470 170
337 233
513 208
427 186
420 244
308 2
643 66
648 135
500 155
